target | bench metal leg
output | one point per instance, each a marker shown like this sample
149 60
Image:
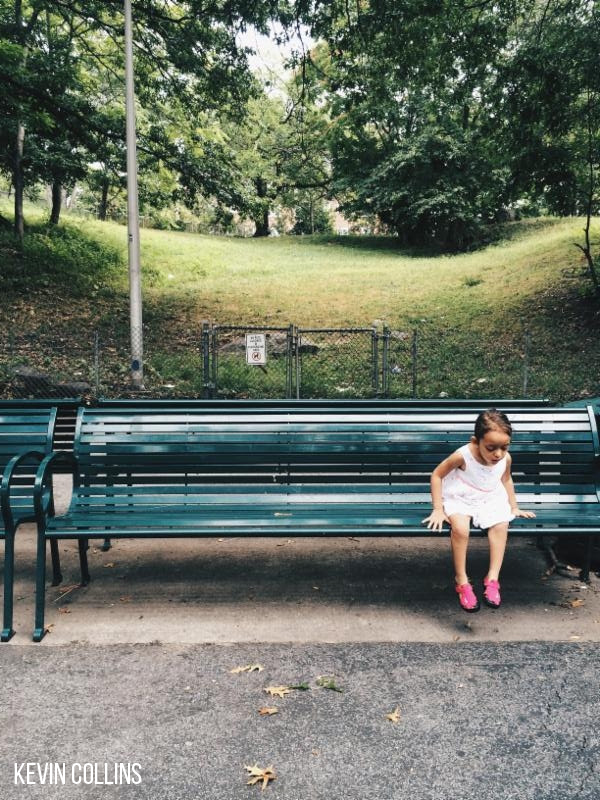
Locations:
544 543
9 573
584 575
40 589
83 561
106 545
56 573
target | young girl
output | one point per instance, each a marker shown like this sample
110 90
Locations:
475 483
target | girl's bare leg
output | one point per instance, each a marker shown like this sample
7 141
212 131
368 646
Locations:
497 536
459 541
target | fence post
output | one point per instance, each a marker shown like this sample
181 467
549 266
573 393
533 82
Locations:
385 362
206 383
297 362
526 348
96 364
415 353
375 358
289 359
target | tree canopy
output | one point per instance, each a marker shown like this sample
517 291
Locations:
436 117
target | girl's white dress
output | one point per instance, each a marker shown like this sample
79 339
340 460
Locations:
477 491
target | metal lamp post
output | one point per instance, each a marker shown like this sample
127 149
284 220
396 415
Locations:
133 223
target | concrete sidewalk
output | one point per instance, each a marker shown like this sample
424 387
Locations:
298 590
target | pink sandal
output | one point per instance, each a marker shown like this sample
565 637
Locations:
467 598
491 593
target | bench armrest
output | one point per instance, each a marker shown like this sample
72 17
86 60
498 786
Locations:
7 479
43 493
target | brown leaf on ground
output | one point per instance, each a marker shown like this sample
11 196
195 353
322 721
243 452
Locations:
125 599
64 610
257 774
247 668
278 691
573 602
394 716
268 711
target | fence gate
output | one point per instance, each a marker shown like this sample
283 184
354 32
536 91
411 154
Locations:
336 362
227 373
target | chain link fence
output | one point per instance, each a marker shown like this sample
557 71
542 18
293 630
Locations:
212 362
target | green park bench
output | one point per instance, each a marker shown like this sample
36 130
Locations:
181 472
26 436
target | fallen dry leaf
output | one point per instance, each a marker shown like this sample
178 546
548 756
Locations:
257 774
48 628
394 716
268 711
64 610
278 691
126 599
247 668
573 602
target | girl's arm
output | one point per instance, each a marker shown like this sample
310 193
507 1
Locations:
510 491
435 521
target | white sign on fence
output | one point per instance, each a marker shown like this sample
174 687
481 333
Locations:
256 348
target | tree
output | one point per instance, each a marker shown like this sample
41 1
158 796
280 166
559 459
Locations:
410 87
552 107
187 56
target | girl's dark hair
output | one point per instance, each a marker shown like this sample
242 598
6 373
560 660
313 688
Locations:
489 420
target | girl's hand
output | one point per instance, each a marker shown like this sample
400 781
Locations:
435 521
525 514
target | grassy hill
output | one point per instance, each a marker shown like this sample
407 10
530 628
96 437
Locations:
471 310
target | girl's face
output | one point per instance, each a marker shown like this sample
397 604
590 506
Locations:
493 446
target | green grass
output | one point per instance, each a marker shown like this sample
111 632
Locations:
471 310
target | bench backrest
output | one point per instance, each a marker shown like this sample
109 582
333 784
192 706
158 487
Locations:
557 448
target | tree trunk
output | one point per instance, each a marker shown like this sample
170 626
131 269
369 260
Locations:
56 202
19 182
587 249
262 221
103 207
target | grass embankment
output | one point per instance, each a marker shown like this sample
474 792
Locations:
471 310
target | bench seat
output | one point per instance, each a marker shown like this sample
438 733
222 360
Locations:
189 472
